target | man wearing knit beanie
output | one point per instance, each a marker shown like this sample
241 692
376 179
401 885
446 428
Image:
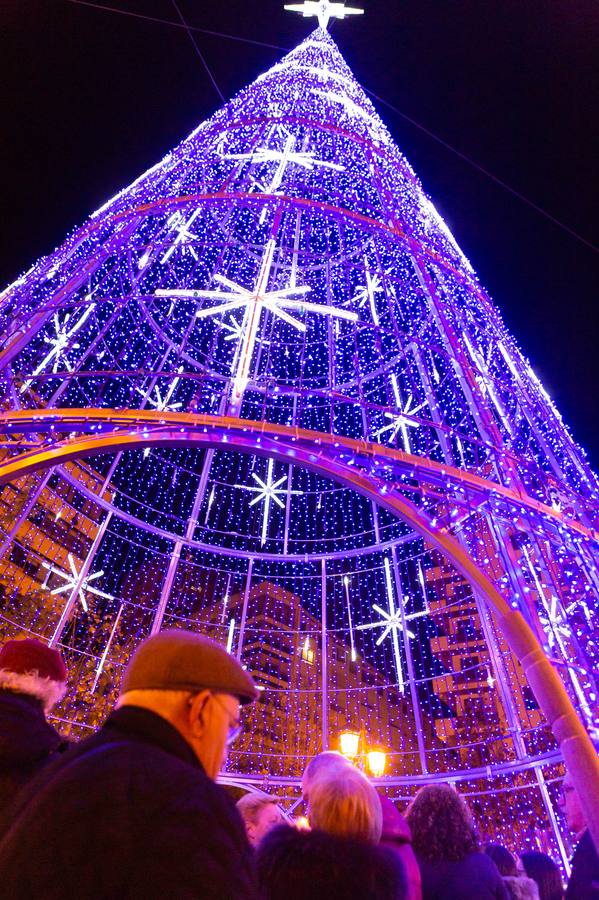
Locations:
32 679
133 811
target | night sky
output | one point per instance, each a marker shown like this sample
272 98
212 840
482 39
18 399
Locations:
90 99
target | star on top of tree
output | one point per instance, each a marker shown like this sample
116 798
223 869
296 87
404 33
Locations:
324 10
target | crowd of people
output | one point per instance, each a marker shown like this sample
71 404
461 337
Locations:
134 811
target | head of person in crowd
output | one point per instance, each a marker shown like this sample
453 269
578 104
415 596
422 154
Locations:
140 791
193 683
503 859
441 824
518 885
31 668
342 801
260 815
293 865
571 807
328 762
33 678
545 872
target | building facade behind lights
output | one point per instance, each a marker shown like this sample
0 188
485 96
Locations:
283 651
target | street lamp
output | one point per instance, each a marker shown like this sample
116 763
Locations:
377 760
349 744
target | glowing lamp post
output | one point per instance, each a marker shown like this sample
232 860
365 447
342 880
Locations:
349 744
377 760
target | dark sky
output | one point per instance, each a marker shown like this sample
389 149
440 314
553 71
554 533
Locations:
89 99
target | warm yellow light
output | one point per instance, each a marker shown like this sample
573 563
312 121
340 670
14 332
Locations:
307 652
349 742
377 761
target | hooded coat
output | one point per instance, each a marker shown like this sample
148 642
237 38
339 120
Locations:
521 888
128 813
397 835
27 743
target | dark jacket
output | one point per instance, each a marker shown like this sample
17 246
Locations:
397 835
475 877
128 813
27 743
297 865
584 880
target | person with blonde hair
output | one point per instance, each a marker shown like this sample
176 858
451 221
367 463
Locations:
395 831
345 804
329 762
260 815
339 857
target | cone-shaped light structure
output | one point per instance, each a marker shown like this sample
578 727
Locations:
262 394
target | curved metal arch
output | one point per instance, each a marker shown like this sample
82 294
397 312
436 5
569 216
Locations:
259 782
151 424
285 444
317 452
369 549
246 440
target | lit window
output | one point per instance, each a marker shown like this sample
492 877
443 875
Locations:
307 652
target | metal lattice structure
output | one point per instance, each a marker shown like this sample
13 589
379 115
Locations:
262 394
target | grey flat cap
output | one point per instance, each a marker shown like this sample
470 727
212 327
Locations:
176 660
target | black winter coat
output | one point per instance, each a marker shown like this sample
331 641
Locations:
128 813
314 865
475 877
27 743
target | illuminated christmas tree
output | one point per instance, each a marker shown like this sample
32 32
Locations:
300 426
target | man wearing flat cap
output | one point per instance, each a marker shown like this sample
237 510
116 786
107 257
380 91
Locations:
133 811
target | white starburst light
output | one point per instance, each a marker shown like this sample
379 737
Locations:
254 302
366 292
234 329
491 681
268 491
72 581
392 623
183 236
306 159
61 342
554 621
403 421
486 381
324 10
158 402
